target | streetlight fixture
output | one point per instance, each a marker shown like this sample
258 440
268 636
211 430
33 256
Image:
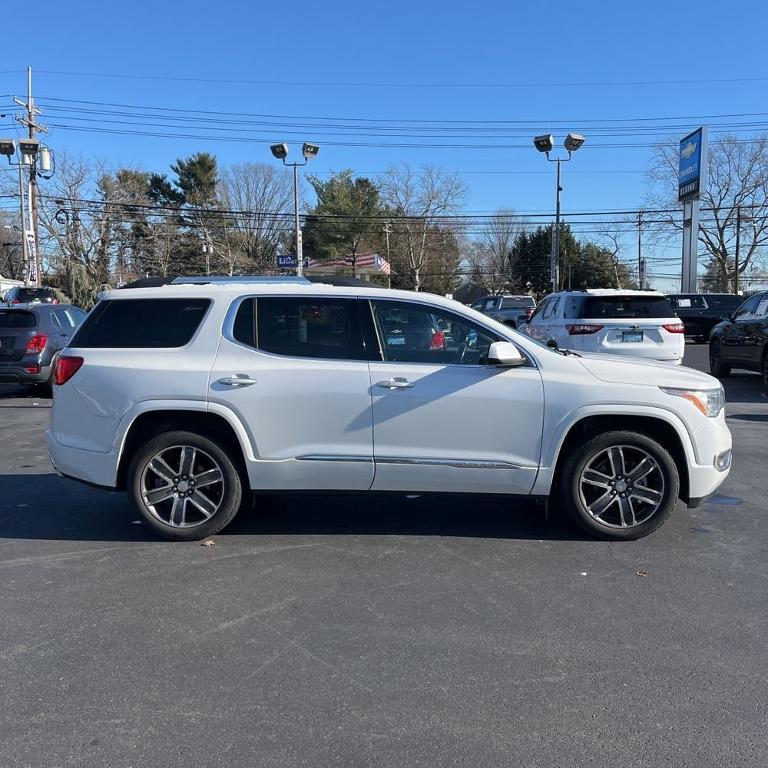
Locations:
7 147
545 144
309 151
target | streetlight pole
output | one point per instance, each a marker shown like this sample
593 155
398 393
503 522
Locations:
280 151
546 144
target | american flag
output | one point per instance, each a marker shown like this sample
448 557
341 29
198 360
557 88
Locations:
363 261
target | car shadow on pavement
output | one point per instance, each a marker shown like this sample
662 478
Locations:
742 387
46 507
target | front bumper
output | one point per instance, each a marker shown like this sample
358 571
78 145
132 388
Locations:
712 439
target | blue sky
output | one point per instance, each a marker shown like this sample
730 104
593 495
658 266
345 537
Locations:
560 64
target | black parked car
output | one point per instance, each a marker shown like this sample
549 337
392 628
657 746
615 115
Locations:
742 340
30 335
701 312
30 295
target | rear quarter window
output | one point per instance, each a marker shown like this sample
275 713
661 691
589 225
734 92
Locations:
141 323
630 307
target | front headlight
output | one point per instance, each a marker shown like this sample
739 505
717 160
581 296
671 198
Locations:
709 401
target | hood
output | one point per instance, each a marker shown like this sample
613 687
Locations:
618 369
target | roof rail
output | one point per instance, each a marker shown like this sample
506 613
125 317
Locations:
158 282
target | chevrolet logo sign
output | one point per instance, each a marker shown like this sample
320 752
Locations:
688 150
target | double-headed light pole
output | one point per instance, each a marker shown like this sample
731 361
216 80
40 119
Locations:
546 144
280 151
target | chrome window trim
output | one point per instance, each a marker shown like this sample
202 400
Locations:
454 463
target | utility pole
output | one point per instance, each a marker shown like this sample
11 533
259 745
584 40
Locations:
736 254
640 275
33 126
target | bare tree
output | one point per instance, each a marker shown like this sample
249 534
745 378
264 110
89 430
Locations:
418 200
737 182
492 257
258 197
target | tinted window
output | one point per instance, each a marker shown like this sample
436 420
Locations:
68 318
747 308
515 303
633 307
15 319
417 333
244 328
723 301
136 323
551 309
308 327
27 295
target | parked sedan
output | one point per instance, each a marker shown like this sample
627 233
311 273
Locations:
30 335
742 340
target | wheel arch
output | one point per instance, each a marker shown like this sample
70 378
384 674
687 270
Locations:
153 422
654 427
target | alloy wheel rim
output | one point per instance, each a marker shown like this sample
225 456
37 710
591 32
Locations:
182 486
622 486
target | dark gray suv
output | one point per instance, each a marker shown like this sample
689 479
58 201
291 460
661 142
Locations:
30 335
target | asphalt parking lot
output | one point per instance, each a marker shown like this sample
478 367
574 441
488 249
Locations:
385 631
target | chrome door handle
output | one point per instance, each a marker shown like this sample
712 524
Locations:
237 381
396 383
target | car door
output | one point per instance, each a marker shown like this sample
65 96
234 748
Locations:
535 326
293 370
754 333
734 349
445 420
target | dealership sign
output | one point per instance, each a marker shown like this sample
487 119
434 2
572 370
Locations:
691 164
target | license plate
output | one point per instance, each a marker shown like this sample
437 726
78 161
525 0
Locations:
394 341
632 336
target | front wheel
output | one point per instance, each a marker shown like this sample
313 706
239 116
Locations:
185 486
620 485
716 366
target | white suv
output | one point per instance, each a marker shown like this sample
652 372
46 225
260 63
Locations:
191 395
636 323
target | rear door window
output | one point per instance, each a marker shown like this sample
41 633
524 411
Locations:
304 327
629 307
141 323
14 318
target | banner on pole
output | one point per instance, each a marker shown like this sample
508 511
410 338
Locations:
32 255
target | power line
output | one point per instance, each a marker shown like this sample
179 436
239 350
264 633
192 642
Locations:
352 84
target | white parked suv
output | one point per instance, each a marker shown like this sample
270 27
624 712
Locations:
192 395
636 323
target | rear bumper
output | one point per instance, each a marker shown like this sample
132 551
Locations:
15 373
92 467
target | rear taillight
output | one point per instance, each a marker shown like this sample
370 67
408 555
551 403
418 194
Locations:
37 344
583 330
65 368
438 340
674 328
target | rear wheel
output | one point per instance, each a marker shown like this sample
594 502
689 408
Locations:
185 486
716 366
620 485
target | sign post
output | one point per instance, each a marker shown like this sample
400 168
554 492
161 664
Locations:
691 179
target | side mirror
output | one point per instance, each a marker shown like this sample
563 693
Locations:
505 354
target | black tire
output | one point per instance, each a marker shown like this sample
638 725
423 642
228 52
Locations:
226 493
641 516
716 366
